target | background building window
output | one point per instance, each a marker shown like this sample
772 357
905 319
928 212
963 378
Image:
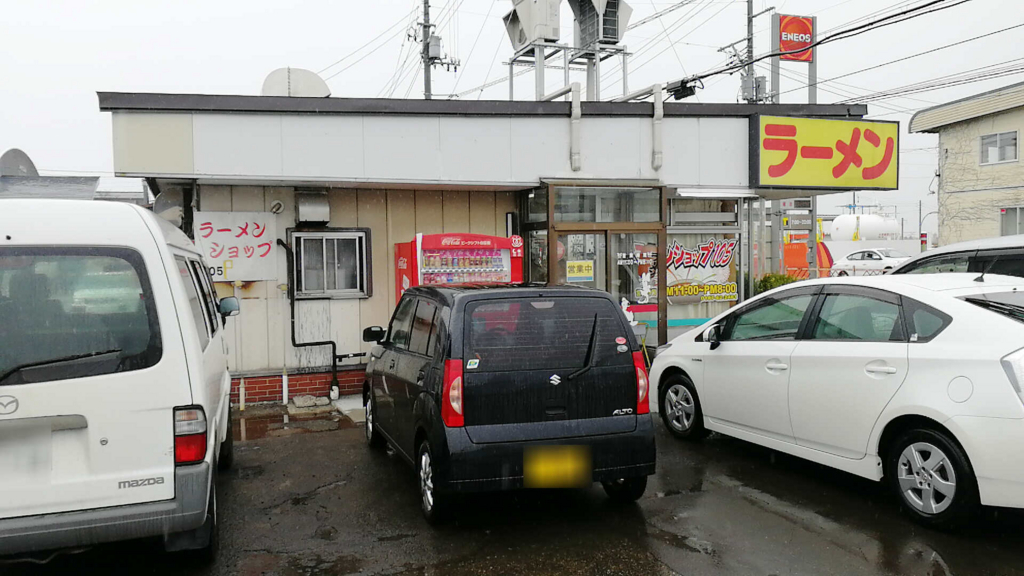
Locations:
997 148
332 264
1010 221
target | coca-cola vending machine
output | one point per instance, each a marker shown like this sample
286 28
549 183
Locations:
434 259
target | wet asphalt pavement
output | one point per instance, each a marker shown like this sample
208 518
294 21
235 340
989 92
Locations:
311 499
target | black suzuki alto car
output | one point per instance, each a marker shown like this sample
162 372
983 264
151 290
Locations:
504 387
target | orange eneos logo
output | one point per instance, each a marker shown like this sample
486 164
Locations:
795 33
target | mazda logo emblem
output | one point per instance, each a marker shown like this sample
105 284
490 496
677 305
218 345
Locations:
8 405
555 380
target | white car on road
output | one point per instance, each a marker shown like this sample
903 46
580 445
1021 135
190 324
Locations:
915 379
871 262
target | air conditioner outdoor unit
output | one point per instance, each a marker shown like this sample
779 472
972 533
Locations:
607 30
532 21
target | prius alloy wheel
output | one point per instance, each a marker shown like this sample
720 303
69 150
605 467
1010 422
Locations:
680 408
933 478
926 478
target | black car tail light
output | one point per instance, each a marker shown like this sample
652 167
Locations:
643 403
451 397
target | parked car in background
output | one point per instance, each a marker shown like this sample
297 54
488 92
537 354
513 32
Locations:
1003 255
114 414
871 262
495 388
893 377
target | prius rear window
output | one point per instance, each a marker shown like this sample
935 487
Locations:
543 333
73 312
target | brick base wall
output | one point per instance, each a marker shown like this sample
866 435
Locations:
268 388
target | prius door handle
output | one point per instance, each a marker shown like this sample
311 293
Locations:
881 369
776 366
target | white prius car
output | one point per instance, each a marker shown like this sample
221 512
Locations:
915 379
868 262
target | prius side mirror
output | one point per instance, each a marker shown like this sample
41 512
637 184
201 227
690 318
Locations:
713 336
229 307
374 334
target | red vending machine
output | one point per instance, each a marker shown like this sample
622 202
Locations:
457 259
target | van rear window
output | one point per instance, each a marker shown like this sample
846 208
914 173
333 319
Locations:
73 312
543 333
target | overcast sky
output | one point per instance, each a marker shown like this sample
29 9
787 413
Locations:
55 55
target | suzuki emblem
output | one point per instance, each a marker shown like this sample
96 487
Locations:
555 379
8 405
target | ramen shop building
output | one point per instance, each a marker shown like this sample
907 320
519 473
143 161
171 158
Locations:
299 204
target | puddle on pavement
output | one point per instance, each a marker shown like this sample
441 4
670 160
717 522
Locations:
278 425
299 565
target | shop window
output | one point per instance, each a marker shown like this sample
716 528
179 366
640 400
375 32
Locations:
704 213
332 264
579 204
703 277
996 148
537 205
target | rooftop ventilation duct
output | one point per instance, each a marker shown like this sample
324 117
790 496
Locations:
295 82
608 29
532 21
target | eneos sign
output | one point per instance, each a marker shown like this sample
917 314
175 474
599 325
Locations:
795 33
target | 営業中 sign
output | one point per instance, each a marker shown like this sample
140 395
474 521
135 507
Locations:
579 271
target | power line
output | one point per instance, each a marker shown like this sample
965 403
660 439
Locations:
841 35
658 15
364 56
833 79
458 78
966 77
357 50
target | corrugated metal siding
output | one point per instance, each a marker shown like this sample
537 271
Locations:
968 108
259 339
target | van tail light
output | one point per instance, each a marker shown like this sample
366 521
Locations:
189 435
643 402
451 397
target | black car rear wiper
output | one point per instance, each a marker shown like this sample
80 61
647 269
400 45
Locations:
71 358
588 362
1015 312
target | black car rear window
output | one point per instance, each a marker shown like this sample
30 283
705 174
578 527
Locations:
1009 304
543 333
73 312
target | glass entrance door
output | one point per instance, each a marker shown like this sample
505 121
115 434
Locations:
634 279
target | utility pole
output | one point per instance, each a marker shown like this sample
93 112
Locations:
752 95
920 218
428 61
431 52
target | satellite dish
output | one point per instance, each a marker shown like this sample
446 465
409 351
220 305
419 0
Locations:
14 162
170 205
295 82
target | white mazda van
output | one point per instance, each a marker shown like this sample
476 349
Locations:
114 410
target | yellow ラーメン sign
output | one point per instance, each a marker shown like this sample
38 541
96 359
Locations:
824 153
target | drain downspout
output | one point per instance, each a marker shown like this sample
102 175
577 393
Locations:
295 343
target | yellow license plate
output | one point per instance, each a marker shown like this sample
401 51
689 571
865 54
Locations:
557 467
